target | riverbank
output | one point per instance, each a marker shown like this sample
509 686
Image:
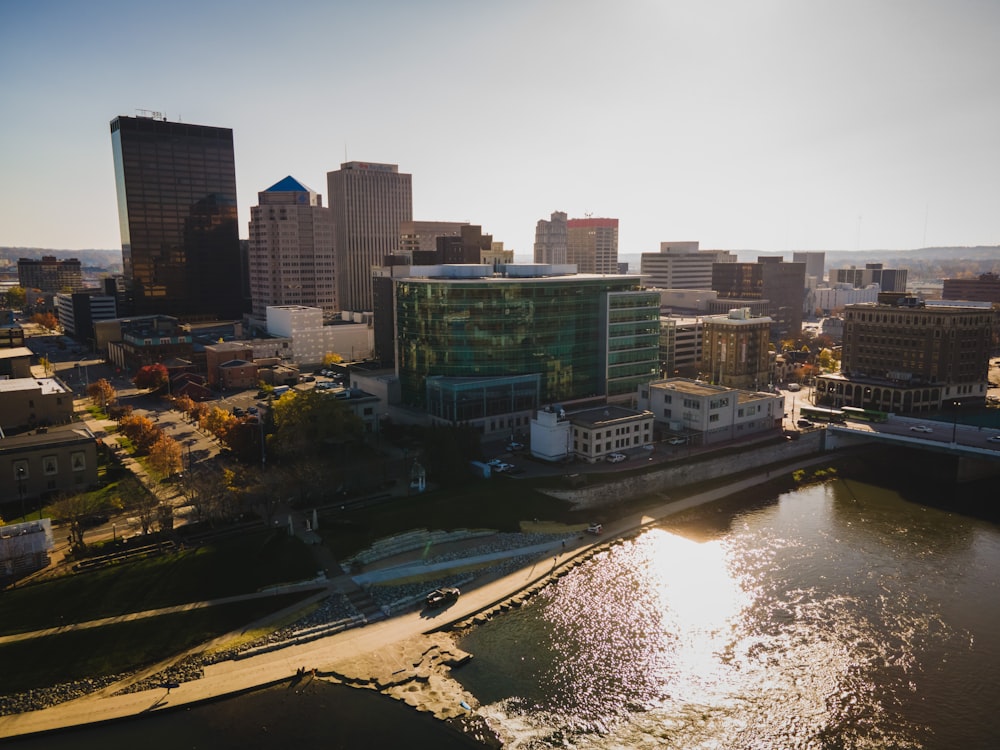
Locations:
406 657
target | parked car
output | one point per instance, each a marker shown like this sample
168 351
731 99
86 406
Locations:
677 441
441 597
513 446
994 439
238 412
615 458
595 529
252 410
804 423
920 428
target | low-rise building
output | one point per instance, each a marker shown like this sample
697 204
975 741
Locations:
34 402
589 434
36 464
703 413
15 362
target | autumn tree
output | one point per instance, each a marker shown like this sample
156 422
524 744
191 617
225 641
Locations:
311 422
165 455
184 404
140 430
152 377
46 320
118 412
332 358
218 422
46 364
101 392
73 512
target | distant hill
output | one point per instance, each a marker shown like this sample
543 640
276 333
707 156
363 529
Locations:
110 260
925 262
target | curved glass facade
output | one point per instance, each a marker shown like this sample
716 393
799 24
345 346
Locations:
556 327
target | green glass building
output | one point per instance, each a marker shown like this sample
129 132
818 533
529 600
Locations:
583 335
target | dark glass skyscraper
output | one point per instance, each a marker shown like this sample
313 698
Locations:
176 187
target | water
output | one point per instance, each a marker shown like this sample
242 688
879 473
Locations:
835 616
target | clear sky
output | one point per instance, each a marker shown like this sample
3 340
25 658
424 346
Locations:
771 125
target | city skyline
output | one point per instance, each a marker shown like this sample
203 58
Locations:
775 126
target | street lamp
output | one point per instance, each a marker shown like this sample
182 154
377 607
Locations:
954 421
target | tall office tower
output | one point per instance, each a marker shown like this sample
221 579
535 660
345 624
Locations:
815 264
735 349
888 279
291 249
781 283
592 245
50 274
681 265
550 239
176 188
370 202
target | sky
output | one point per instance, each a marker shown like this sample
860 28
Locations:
772 125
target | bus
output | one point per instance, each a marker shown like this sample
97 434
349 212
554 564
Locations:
865 415
822 414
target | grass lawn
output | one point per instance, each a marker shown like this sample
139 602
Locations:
499 504
113 649
224 568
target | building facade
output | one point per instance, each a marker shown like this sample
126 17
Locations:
291 254
78 312
985 288
312 340
370 203
681 265
781 283
34 402
888 279
50 274
735 349
902 356
550 239
422 236
592 245
585 335
702 413
176 186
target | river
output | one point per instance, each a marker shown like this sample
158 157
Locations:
835 616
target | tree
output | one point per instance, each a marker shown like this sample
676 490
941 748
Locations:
46 320
332 358
140 430
74 511
16 297
218 421
101 392
46 364
311 422
165 455
140 501
184 404
152 377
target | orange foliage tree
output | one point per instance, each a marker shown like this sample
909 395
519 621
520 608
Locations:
101 392
165 455
141 431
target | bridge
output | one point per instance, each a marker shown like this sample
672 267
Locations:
977 456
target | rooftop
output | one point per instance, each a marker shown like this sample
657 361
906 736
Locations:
46 385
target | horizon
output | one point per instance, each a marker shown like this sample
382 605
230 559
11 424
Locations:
835 127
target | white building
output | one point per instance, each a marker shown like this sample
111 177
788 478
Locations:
838 296
311 340
291 249
589 434
681 265
704 413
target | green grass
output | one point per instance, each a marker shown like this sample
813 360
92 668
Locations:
491 504
234 566
122 647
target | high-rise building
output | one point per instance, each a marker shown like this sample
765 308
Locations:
562 336
370 203
592 245
421 236
681 265
176 187
815 263
550 239
888 279
781 283
50 274
291 249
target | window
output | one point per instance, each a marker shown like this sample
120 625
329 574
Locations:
50 465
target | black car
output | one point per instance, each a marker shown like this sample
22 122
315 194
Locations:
441 597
